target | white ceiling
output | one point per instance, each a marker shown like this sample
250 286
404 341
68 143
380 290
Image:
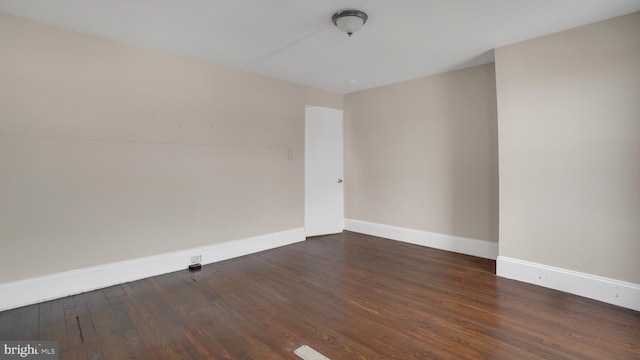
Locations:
295 40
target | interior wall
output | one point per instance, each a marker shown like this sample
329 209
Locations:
569 130
110 152
422 154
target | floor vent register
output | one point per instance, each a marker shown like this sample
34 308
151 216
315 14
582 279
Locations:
307 353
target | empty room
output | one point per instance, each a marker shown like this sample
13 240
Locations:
297 179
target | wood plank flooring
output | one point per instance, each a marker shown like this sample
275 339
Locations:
349 296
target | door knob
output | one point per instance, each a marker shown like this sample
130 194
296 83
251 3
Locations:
339 181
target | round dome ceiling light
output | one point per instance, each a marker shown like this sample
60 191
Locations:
349 21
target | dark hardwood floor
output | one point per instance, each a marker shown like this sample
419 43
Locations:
349 296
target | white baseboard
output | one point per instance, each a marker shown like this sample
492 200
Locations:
479 248
30 291
590 286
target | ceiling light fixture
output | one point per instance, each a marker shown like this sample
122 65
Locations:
349 21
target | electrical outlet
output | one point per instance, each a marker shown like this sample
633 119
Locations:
196 259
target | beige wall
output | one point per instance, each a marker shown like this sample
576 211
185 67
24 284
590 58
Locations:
110 152
569 121
422 154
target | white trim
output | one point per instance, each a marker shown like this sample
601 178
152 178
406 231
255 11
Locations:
479 248
591 286
34 290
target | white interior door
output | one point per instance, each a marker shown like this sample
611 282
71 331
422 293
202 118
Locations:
324 194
